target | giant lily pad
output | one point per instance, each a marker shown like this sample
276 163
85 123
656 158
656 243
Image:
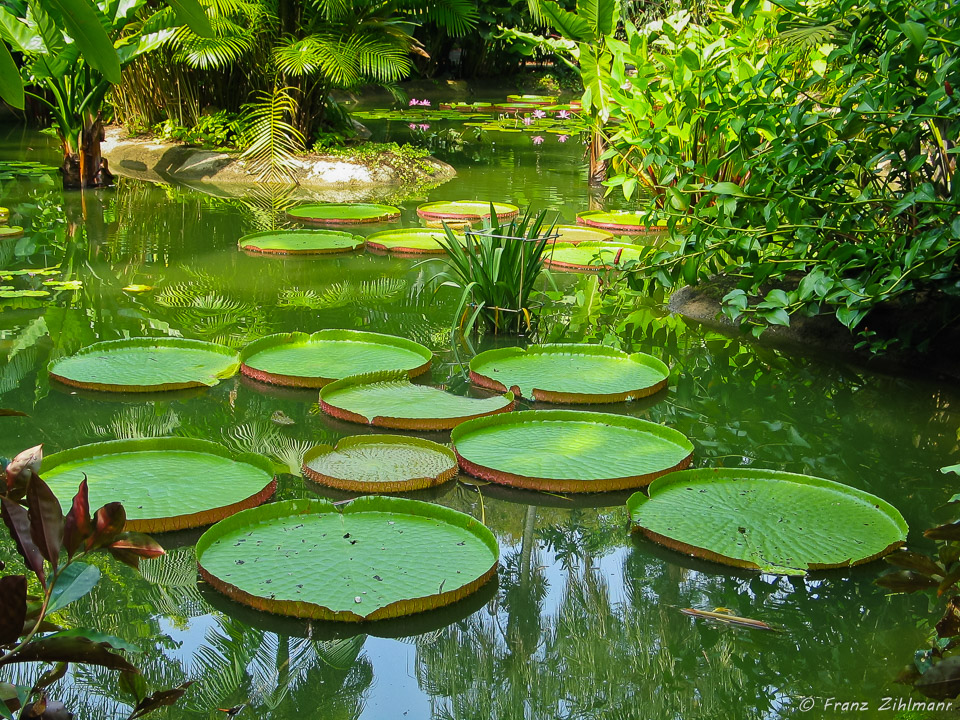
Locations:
589 256
391 400
569 450
533 99
10 232
146 365
374 558
570 373
301 360
624 222
407 241
300 242
164 483
573 234
343 213
772 521
380 463
465 210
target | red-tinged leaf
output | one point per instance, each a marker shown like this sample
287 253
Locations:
915 561
70 649
949 625
950 531
159 699
906 581
24 466
949 581
127 557
13 607
139 544
78 525
46 519
108 523
6 412
18 522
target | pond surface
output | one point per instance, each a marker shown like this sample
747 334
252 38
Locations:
585 620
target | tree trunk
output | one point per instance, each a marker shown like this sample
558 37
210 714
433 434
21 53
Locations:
84 166
598 167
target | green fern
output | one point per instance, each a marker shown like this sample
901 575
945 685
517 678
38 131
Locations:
271 141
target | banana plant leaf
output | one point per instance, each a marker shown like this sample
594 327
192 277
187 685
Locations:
301 360
570 373
374 558
777 522
408 241
589 256
146 365
164 483
629 222
300 242
380 463
389 399
343 213
466 210
569 450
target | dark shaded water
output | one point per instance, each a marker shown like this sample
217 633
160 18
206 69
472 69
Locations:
585 621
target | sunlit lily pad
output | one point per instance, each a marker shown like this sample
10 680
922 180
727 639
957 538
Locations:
164 483
624 222
146 365
569 450
772 521
465 210
10 232
343 213
300 242
407 241
303 360
570 373
590 256
392 401
4 214
7 293
573 234
533 99
374 558
380 463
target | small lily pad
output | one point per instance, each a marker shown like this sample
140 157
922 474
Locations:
391 400
533 99
465 210
767 520
300 242
372 559
625 222
380 463
4 214
589 256
10 231
407 241
343 213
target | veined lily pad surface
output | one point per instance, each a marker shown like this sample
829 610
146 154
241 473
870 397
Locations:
569 450
407 241
343 213
587 256
302 360
300 242
10 232
391 400
465 210
619 221
573 234
164 483
380 463
374 558
772 521
570 373
146 365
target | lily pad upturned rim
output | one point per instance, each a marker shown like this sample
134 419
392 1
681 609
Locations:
397 423
248 242
598 235
185 521
571 485
554 264
554 396
10 231
369 503
687 477
380 241
419 483
601 219
380 213
146 342
433 210
329 334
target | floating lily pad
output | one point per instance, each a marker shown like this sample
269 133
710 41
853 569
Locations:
570 373
4 214
573 234
164 483
380 463
146 365
374 558
627 222
300 242
533 99
407 241
590 256
301 360
569 450
343 213
391 400
10 232
465 210
772 521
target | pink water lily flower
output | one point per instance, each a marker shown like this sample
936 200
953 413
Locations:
539 113
413 101
563 138
537 139
424 126
563 115
528 120
425 103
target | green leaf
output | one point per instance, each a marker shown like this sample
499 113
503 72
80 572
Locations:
74 581
850 317
11 87
572 27
728 188
95 636
600 14
951 469
915 32
191 13
83 25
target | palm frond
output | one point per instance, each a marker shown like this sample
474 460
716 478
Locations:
367 292
271 141
329 56
141 421
228 44
458 17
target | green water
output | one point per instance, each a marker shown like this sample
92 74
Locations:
585 621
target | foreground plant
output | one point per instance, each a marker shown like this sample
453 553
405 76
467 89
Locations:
53 547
